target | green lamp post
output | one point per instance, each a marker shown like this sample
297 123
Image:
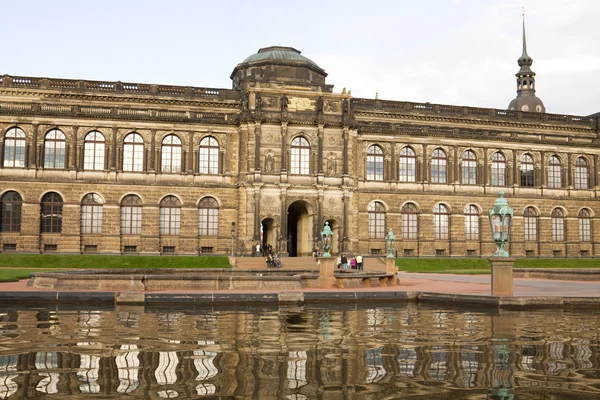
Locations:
327 238
390 239
500 223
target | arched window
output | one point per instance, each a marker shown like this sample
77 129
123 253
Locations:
209 156
171 155
498 169
471 222
133 153
170 215
374 163
585 225
530 218
527 171
10 212
14 148
441 222
300 156
558 225
376 212
554 173
208 217
408 165
131 215
52 207
91 214
438 166
469 168
54 149
93 151
581 173
410 227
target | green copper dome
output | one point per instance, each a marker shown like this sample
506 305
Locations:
279 53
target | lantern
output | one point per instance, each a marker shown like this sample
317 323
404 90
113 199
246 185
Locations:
500 224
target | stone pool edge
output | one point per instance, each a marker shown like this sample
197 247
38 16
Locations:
299 297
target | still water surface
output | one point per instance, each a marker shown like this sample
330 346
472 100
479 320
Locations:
353 352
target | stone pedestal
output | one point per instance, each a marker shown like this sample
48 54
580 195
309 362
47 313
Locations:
502 275
390 266
326 271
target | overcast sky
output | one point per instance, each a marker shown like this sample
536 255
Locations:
449 52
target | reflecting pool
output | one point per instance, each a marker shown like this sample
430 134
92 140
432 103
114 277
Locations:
403 351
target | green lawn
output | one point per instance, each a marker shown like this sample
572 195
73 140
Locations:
22 265
465 266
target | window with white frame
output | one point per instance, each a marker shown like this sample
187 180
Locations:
469 168
558 225
498 169
91 214
376 212
170 216
170 161
530 219
554 173
209 156
14 148
408 165
471 222
300 156
133 153
581 173
527 169
441 225
410 227
208 217
131 215
54 149
585 225
374 163
94 147
439 163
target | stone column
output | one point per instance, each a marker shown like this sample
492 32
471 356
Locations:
284 148
113 150
345 200
34 140
485 166
284 222
569 171
73 165
393 166
152 151
320 149
345 154
544 175
515 170
256 213
457 162
424 176
257 137
319 224
502 275
190 159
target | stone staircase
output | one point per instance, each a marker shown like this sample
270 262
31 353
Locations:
286 263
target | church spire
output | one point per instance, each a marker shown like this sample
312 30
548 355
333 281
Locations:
526 99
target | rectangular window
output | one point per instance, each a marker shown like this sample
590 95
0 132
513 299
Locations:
471 253
129 249
554 177
375 251
441 226
9 247
469 172
438 171
409 226
530 224
90 248
208 222
131 220
529 253
557 253
91 219
558 229
206 250
584 253
408 170
409 252
168 249
581 178
585 231
440 252
527 175
49 248
498 174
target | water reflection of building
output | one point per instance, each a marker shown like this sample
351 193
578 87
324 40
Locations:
292 354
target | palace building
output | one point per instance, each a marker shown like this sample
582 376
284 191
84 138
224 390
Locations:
118 167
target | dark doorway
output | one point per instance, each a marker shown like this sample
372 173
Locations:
268 233
299 230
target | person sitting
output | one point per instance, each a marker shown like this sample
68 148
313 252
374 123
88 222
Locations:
269 261
277 261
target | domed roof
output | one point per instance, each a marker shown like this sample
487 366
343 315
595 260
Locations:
279 53
530 103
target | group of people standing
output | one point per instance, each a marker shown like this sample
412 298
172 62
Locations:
273 260
355 262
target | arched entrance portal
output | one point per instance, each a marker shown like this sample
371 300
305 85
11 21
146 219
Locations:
335 227
299 226
268 233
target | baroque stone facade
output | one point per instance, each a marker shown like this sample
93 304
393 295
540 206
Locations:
114 167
